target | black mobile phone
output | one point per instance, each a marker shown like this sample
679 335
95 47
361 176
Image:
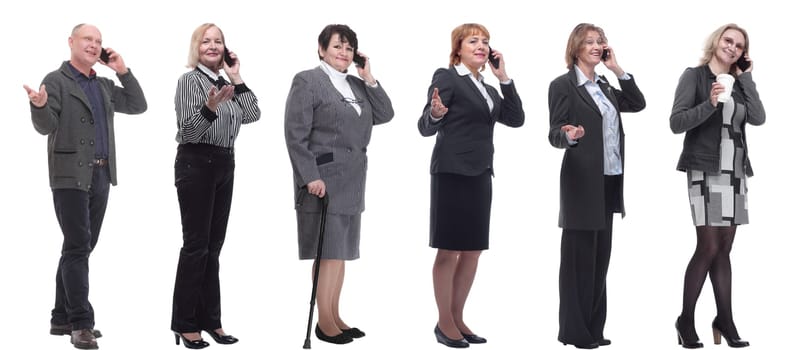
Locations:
228 60
493 60
359 61
604 55
104 56
743 63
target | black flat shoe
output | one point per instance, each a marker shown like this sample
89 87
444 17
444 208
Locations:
353 332
688 340
731 336
222 339
341 338
473 338
452 343
604 342
191 344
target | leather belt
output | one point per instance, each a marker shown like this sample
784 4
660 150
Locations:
100 162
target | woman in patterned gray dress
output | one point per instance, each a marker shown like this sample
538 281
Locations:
715 158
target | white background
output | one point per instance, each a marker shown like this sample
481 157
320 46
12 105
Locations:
388 292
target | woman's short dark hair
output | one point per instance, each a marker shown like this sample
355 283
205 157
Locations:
347 35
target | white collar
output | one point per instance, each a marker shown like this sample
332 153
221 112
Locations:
333 73
207 71
582 77
463 70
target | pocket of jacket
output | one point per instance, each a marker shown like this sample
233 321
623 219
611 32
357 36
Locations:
324 158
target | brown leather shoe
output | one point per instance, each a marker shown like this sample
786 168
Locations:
65 329
84 339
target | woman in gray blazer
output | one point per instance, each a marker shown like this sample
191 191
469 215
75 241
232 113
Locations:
462 111
585 121
715 158
329 115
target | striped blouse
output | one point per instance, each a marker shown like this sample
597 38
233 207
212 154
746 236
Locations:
198 124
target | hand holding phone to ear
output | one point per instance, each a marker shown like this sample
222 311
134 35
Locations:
359 60
494 61
229 59
362 63
743 63
104 56
113 59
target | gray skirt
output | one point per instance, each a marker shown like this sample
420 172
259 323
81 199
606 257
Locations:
718 200
340 240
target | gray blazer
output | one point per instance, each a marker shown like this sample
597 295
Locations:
328 140
68 120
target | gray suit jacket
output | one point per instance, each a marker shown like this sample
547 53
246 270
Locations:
328 140
68 120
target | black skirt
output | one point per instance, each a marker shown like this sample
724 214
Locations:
460 211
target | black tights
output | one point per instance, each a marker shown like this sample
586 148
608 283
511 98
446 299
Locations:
713 245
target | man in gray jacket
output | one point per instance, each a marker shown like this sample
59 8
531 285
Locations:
75 108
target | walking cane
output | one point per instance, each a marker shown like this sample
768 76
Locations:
324 207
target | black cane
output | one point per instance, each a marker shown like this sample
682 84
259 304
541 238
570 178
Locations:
324 207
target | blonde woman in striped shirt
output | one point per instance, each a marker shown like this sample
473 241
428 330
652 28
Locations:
210 111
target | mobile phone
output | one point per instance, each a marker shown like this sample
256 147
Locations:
228 60
493 60
104 56
604 55
743 63
359 61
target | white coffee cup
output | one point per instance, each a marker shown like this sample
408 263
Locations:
728 81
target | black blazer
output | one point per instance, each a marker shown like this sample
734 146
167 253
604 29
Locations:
581 190
464 144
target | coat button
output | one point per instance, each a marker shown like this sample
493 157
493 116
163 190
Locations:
82 119
91 142
91 121
79 184
81 141
349 150
80 163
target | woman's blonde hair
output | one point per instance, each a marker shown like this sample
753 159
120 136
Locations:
712 43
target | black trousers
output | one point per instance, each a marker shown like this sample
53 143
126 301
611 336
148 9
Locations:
585 255
80 215
204 180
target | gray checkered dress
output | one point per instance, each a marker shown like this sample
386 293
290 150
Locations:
721 199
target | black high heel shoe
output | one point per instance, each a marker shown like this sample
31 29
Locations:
222 339
732 338
452 343
690 340
191 344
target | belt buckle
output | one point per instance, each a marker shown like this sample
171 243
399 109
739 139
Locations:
99 162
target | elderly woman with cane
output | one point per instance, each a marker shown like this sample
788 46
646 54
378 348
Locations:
329 115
